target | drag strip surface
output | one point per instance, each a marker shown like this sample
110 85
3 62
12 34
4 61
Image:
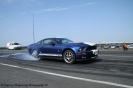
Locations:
111 67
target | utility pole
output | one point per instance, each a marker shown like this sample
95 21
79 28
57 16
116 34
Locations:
33 30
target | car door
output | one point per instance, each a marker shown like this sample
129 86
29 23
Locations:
49 49
11 46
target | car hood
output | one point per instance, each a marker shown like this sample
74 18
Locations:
79 44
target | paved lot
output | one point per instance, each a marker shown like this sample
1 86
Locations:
112 69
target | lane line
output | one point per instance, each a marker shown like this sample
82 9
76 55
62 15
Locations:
70 77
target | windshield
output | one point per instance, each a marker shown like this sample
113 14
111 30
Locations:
16 44
63 40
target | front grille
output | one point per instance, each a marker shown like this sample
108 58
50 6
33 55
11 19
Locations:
91 48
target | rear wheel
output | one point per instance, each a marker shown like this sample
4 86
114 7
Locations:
35 54
69 56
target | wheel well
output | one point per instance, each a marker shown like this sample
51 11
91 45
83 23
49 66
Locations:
31 50
67 49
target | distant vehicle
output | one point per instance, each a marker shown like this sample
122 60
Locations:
13 45
63 48
106 47
130 46
119 46
113 47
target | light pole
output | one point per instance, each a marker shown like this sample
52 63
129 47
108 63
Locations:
33 30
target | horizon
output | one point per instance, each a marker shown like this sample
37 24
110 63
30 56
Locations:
83 20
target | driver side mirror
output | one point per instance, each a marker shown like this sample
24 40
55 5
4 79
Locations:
52 43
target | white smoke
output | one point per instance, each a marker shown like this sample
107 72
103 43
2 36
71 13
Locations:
4 55
21 56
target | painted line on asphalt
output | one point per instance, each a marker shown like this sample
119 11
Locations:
70 77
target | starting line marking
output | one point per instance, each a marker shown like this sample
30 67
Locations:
70 77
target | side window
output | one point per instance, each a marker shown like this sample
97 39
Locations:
64 41
47 41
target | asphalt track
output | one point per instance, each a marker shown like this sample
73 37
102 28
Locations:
112 69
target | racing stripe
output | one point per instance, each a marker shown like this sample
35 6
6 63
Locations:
60 55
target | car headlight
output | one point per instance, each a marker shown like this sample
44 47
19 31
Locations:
81 49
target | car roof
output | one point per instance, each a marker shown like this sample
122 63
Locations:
50 38
53 38
12 42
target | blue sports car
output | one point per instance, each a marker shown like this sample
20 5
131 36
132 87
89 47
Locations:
64 48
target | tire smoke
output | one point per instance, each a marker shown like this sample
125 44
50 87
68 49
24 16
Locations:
21 56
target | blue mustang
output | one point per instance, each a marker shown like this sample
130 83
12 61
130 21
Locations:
68 50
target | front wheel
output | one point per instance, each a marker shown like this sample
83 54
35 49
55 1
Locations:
69 56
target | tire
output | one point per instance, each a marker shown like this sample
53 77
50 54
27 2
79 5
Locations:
69 56
14 49
35 54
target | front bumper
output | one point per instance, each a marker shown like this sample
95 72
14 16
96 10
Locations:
87 55
17 47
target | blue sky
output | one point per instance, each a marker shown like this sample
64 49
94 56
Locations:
81 20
